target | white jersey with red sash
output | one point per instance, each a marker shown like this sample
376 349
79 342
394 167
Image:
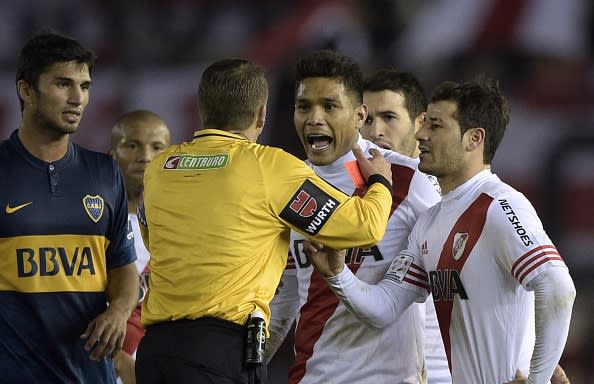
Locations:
477 252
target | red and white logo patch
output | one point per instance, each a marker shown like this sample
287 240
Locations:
460 240
399 267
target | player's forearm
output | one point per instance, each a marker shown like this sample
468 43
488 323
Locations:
377 306
554 295
123 288
283 309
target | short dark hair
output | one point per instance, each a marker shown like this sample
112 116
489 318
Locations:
331 64
479 104
230 93
404 83
46 49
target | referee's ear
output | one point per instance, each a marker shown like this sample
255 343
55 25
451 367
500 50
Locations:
261 120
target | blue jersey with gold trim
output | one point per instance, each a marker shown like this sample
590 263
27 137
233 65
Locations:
63 225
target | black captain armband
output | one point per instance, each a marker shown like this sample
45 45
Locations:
310 208
377 178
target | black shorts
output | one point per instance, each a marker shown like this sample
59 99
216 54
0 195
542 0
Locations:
206 350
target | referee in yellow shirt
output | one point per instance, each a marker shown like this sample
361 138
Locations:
216 218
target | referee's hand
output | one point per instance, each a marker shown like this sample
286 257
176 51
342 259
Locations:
375 165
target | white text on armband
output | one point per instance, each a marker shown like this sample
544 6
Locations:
321 216
513 219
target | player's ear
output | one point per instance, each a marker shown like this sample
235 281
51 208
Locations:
475 138
419 120
360 115
24 90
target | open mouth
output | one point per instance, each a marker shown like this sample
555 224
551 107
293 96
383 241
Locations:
319 142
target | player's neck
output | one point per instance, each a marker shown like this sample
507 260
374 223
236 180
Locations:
452 181
133 191
46 146
132 206
250 133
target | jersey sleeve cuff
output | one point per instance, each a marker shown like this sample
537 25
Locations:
377 178
342 279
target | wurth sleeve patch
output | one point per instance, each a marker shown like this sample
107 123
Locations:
309 208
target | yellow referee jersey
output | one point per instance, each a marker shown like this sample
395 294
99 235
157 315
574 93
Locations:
216 218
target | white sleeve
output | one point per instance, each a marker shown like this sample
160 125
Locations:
283 309
438 371
554 294
378 305
525 248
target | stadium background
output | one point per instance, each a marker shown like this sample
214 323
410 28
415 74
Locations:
151 55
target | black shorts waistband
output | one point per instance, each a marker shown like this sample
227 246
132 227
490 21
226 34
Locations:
200 321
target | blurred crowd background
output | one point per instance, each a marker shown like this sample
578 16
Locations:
151 55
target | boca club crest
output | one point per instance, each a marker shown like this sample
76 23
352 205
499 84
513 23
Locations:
94 207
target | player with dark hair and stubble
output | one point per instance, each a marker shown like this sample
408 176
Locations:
67 277
396 106
494 274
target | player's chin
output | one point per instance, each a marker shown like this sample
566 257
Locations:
68 130
425 158
318 157
426 165
136 178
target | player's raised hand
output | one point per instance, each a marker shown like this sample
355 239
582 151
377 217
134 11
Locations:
376 164
327 261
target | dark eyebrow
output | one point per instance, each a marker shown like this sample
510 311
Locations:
323 100
386 112
68 79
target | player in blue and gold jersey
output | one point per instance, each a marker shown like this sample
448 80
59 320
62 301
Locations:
66 250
